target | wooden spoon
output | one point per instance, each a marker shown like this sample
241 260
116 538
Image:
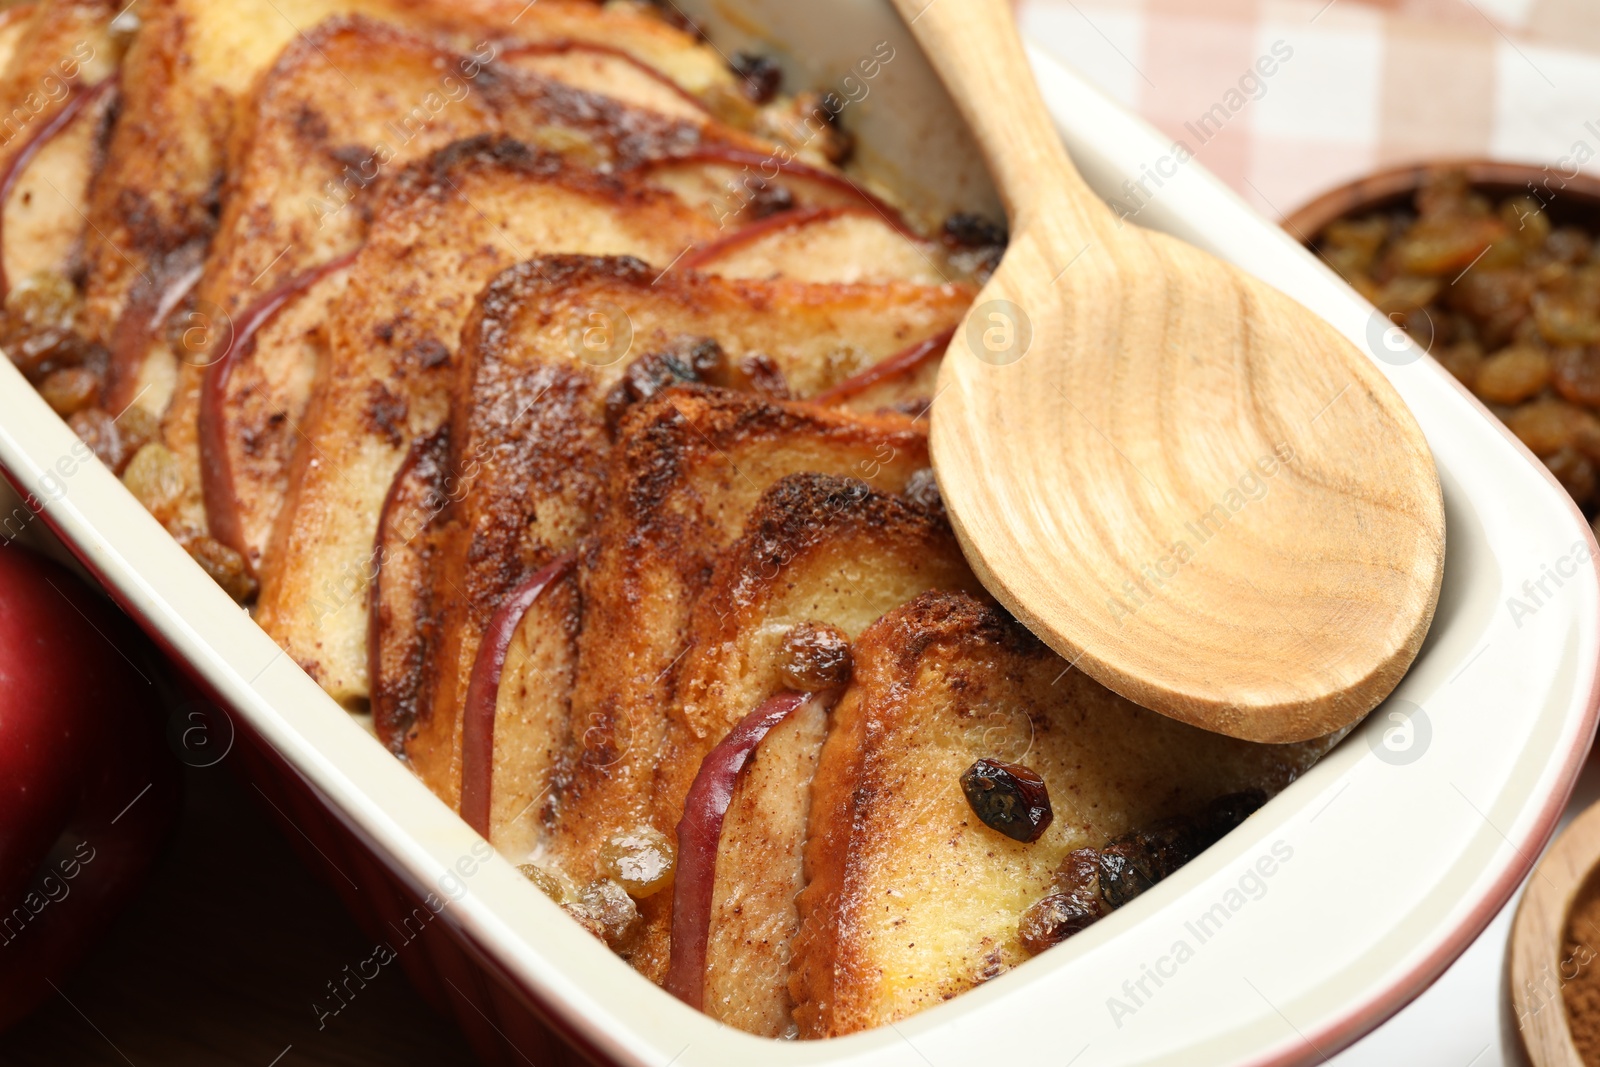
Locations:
1187 484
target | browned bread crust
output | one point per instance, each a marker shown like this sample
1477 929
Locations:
910 899
154 208
444 228
321 131
534 415
817 549
690 467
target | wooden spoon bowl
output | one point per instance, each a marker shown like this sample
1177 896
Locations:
1187 484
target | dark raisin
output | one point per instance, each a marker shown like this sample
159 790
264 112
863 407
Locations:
429 353
1010 799
690 359
1223 815
973 231
1073 903
758 373
1136 861
768 200
760 76
922 489
1053 920
1079 873
816 656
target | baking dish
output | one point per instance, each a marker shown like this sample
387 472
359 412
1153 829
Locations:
1323 914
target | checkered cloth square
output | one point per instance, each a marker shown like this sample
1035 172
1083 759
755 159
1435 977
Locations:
1284 99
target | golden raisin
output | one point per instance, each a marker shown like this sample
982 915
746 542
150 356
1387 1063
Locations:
549 885
1050 921
225 566
1405 293
43 300
1568 244
1526 218
1445 246
1497 301
70 389
103 436
640 860
1464 360
1575 473
604 909
1565 320
138 428
815 656
155 479
1547 426
1576 374
1513 374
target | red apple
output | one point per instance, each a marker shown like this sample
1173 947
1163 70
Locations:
88 789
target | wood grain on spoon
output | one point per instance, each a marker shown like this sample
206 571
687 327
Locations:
1190 486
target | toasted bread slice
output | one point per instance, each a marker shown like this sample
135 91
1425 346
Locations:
447 227
688 466
53 52
749 940
323 129
817 551
154 210
910 899
400 607
536 416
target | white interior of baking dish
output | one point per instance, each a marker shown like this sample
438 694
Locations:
1381 869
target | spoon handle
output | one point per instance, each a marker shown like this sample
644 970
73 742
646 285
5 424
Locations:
973 44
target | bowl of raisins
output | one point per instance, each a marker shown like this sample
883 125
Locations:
1494 269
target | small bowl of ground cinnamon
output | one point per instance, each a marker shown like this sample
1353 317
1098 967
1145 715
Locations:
1494 268
1553 967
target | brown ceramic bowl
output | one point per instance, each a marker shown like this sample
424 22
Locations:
1570 201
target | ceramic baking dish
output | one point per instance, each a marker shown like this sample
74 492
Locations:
1323 914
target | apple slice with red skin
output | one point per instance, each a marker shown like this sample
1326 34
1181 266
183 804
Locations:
567 46
483 692
767 166
903 363
216 468
88 790
793 219
700 833
79 101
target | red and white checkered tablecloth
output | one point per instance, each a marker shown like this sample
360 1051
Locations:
1284 99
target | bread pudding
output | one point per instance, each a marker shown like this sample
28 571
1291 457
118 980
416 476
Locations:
555 393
